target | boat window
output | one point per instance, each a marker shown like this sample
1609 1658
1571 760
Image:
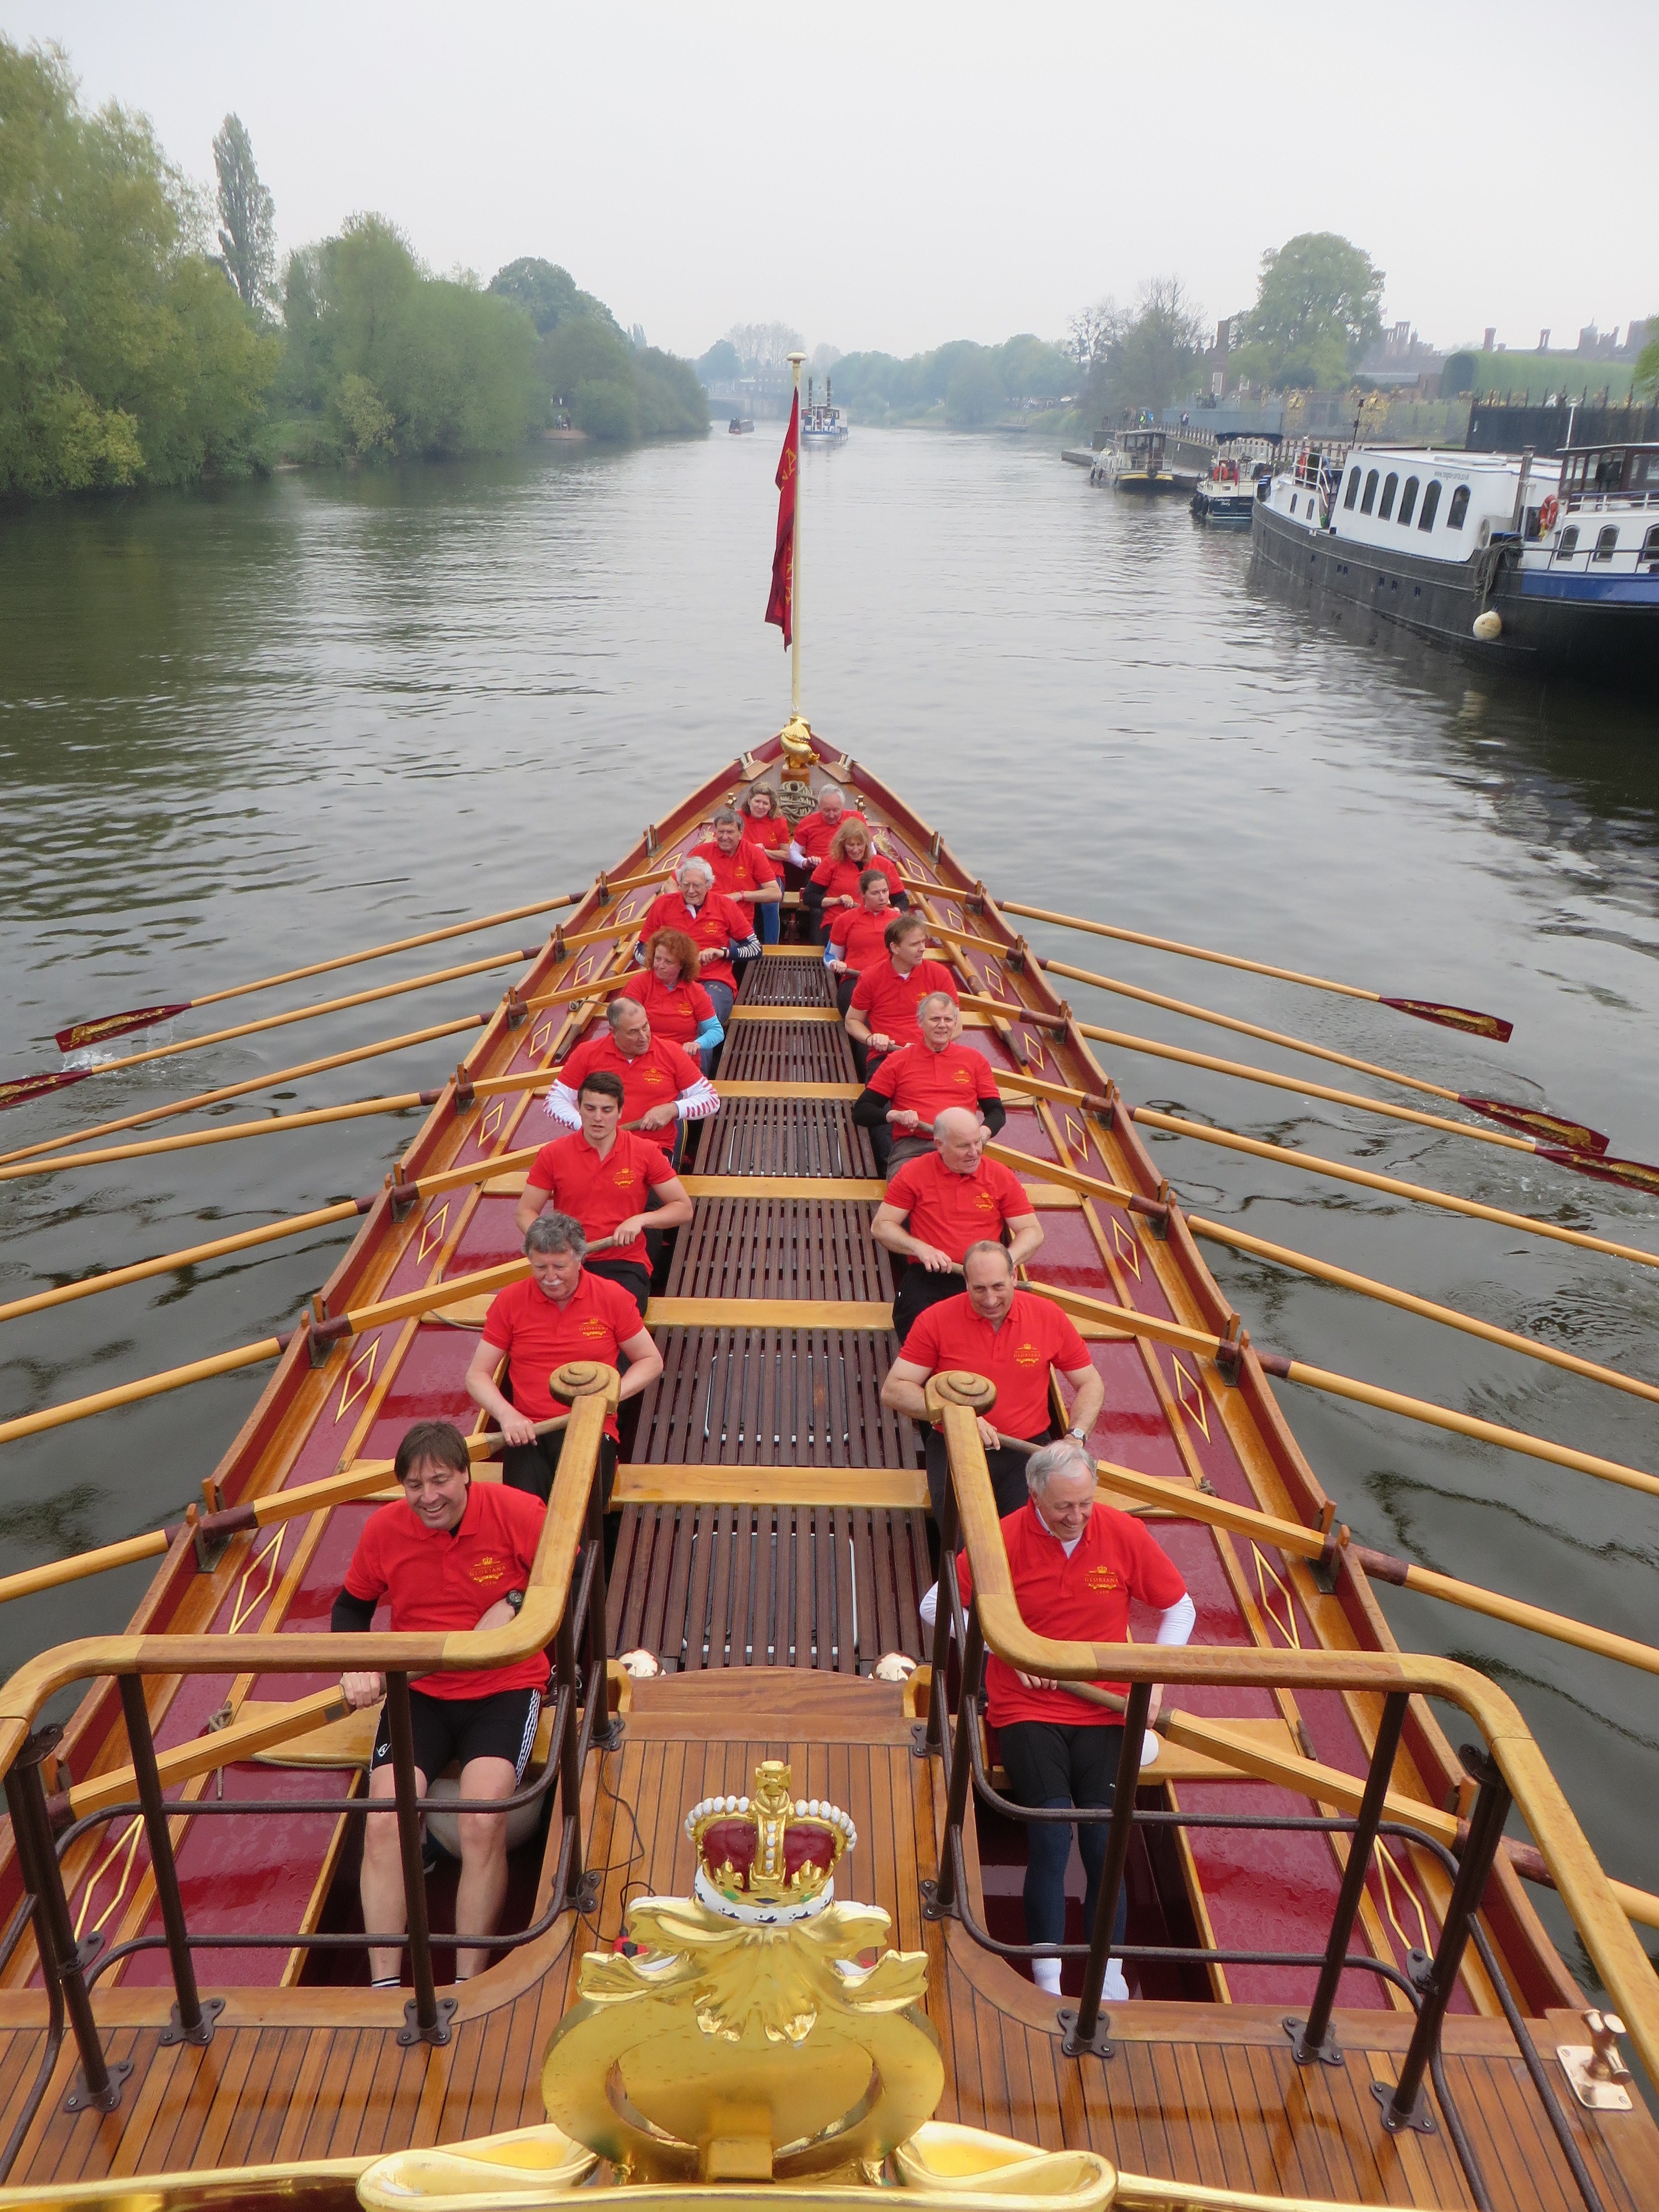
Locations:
1292 503
1459 507
1609 469
1568 542
1388 491
1650 545
1430 502
1607 542
1353 489
1646 473
1369 499
1407 501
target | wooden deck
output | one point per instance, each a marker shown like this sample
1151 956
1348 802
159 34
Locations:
771 1548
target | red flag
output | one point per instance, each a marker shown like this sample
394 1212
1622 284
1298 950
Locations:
781 607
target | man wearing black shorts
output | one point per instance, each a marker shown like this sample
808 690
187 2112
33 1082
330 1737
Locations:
453 1554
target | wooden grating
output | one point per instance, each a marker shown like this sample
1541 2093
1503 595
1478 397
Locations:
777 1248
780 1397
810 1586
786 979
783 1137
785 1051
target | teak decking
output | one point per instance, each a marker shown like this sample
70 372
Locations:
771 1523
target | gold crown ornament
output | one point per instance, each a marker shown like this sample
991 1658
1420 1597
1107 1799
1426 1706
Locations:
769 1858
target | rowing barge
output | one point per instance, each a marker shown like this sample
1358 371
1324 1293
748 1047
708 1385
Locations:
1341 1990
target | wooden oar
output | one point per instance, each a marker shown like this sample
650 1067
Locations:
1218 1232
1637 1174
147 1385
1204 1345
279 1125
1339 1171
15 1092
98 1028
1532 1121
1467 1019
273 1081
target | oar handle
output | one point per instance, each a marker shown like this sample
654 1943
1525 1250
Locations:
542 1429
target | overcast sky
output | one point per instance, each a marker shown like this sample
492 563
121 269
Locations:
896 174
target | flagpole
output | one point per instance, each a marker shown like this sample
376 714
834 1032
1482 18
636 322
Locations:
795 361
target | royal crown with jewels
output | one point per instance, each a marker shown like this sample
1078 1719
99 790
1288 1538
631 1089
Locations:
769 1857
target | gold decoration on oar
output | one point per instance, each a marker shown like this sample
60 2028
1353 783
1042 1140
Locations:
1205 1344
1368 1179
99 1027
1468 1019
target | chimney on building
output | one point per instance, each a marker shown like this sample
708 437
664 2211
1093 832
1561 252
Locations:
1491 337
1544 341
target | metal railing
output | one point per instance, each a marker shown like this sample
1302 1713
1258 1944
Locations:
564 1610
1508 1771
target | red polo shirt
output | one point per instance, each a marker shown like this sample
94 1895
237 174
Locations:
860 938
662 1071
1081 1599
949 1210
538 1335
717 922
676 1011
927 1081
840 879
445 1578
771 832
813 833
1034 1336
600 1193
748 869
888 1000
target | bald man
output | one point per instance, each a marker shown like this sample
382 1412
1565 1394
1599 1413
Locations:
942 1202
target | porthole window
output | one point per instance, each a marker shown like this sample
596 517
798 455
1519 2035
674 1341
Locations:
1650 555
1292 502
1354 490
1607 542
1369 499
1430 505
1459 507
1569 543
1388 490
1407 501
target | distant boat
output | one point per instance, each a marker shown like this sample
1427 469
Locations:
1150 458
821 424
741 426
1226 495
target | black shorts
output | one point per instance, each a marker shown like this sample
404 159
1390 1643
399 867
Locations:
627 1275
499 1726
1044 1761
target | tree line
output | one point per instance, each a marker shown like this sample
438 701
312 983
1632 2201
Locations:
130 352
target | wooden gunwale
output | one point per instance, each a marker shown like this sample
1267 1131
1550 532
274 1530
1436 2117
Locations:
268 1448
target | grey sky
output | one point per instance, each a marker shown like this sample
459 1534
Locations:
897 174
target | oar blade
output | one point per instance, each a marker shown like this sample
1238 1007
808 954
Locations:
1467 1019
1534 1121
21 1088
1634 1174
79 1035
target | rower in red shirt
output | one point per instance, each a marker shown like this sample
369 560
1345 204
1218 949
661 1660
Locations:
766 824
1012 1337
662 1086
911 1087
835 883
1075 1564
813 831
559 1313
743 871
454 1553
939 1204
675 1002
858 936
719 927
611 1181
882 1012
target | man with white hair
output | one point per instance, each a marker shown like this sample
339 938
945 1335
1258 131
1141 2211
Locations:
1075 1564
906 1091
940 1204
813 831
722 930
663 1087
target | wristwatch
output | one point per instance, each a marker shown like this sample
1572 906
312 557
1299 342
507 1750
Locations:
515 1599
1081 1436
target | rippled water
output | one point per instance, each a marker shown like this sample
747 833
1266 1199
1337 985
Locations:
241 729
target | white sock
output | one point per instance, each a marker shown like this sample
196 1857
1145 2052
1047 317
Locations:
387 1982
1045 1973
1116 1990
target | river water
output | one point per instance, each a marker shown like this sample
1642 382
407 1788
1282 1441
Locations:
242 729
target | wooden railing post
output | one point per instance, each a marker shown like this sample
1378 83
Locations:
962 1768
1082 2031
193 2020
426 2019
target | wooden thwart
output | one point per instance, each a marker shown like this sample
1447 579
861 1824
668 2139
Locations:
889 1488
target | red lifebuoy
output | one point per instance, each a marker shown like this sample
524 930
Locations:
1548 512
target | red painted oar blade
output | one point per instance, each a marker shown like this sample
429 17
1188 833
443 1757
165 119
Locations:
24 1087
1467 1019
79 1035
1635 1174
1533 1121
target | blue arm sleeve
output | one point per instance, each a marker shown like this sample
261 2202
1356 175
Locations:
708 1036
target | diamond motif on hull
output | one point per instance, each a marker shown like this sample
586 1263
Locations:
432 1231
357 1378
1189 1391
1129 1252
540 1033
492 1119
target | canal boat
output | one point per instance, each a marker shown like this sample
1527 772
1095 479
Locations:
1339 1987
1150 458
1226 498
822 423
1525 561
741 426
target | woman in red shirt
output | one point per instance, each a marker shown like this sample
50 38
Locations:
764 824
835 883
675 1002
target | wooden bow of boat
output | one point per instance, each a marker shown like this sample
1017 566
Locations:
772 1547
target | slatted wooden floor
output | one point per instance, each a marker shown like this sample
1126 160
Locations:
1195 2093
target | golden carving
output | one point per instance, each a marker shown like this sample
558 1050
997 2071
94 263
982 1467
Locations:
799 751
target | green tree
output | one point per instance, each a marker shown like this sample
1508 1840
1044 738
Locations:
974 394
1146 359
721 364
247 218
549 295
123 353
1645 377
1031 368
1457 377
1318 306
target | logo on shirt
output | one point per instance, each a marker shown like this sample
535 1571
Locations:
653 1076
962 1075
622 1177
1101 1578
593 1327
1027 1355
487 1568
983 1202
